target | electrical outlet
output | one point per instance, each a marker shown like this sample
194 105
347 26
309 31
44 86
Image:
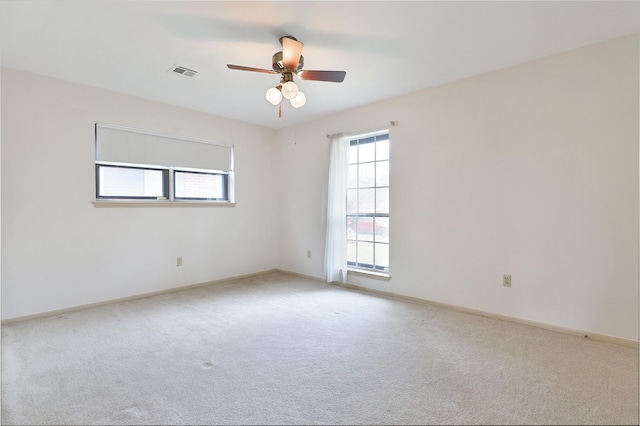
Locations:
179 261
506 280
309 253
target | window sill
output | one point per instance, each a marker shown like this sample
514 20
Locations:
370 274
160 203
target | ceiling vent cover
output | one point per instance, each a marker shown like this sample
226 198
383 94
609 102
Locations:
184 71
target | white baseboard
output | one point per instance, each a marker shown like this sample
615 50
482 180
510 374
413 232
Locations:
551 327
128 298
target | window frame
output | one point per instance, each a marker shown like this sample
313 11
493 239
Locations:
225 184
358 266
165 181
168 174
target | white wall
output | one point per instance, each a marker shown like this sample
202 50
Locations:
531 170
60 251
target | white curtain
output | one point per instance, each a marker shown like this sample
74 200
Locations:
335 256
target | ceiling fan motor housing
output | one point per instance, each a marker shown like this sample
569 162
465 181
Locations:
278 64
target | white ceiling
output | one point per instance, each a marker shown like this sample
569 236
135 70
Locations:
387 48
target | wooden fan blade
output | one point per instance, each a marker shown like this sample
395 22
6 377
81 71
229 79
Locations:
241 68
291 51
333 76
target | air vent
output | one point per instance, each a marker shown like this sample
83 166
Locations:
184 71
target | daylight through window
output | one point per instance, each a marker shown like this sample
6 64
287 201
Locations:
368 203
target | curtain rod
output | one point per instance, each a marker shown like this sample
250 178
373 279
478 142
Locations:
337 135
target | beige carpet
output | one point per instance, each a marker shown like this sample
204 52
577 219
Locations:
278 349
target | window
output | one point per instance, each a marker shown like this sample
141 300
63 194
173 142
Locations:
131 182
368 203
134 164
200 186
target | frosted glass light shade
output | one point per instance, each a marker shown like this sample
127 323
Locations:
274 96
289 90
299 100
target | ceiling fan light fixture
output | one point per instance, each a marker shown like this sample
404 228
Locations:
289 90
274 96
289 63
299 100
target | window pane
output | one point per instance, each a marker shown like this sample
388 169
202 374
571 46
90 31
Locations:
351 227
367 152
366 200
382 229
382 255
352 179
130 182
199 186
351 252
382 200
382 150
365 228
353 154
366 175
365 254
352 201
382 173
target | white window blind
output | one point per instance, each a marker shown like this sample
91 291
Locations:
125 145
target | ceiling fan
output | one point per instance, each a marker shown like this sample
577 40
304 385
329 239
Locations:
287 62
